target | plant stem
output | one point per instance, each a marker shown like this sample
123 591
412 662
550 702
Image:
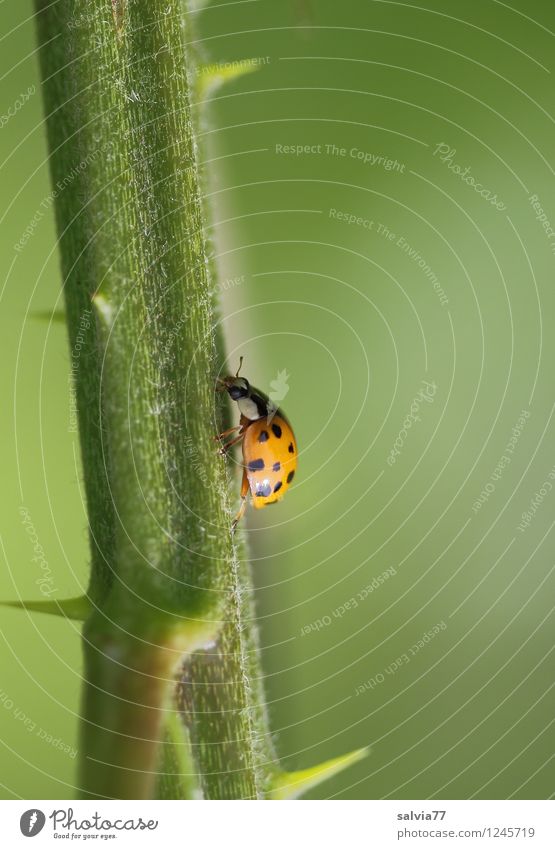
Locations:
164 573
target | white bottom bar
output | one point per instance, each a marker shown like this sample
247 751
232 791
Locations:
270 825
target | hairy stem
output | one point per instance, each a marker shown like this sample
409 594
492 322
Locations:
164 572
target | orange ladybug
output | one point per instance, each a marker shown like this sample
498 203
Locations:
269 445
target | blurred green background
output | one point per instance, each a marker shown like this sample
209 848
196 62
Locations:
313 283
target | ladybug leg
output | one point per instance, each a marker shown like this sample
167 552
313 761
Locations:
243 507
227 432
225 448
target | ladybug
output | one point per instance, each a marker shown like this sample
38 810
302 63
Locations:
269 445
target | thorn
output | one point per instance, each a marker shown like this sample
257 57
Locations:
77 608
55 316
291 785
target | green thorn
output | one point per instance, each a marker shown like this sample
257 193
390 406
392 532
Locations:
77 608
55 316
291 785
212 77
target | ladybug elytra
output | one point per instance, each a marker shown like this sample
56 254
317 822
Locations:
268 442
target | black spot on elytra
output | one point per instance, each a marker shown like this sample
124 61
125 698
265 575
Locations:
276 431
256 465
290 476
276 467
263 436
278 486
291 449
263 490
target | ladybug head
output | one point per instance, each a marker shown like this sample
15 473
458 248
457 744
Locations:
237 387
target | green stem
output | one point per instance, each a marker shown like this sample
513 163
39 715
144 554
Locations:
164 573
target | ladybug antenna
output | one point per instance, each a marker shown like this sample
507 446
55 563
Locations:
240 365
